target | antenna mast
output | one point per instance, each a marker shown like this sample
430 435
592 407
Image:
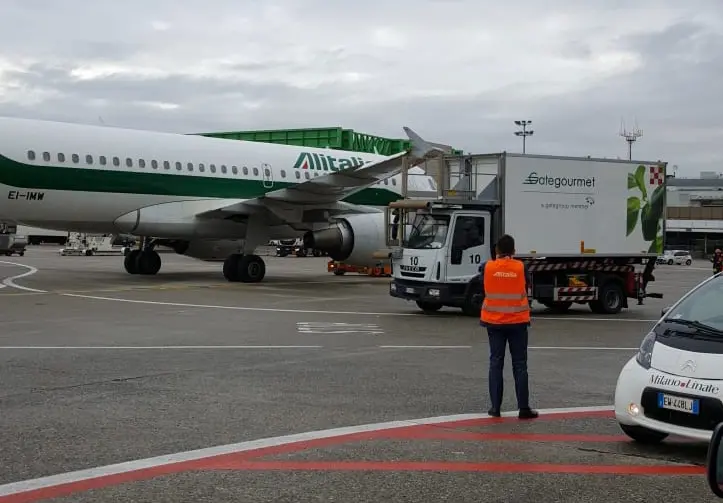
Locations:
630 137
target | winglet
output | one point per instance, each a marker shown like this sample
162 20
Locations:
422 148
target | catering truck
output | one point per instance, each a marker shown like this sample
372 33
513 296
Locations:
588 230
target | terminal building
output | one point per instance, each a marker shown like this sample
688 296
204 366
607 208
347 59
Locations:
695 214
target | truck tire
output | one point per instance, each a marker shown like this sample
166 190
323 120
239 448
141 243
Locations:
428 307
611 298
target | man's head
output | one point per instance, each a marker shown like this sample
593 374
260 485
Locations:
505 246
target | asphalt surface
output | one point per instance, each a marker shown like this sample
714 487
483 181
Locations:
98 367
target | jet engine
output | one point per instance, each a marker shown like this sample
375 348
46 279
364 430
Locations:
351 239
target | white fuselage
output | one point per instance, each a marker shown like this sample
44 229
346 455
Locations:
82 178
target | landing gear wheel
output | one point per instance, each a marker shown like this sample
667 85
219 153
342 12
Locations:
130 261
643 435
230 267
251 269
148 262
428 307
610 298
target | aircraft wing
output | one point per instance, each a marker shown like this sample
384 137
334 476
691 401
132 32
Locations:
338 185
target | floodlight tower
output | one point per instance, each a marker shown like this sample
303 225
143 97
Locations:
524 133
630 137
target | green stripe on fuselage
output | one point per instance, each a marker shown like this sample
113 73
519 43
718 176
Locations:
29 176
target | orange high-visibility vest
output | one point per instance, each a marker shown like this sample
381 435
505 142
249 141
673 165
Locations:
505 299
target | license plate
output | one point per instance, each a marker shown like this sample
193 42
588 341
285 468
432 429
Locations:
409 290
689 405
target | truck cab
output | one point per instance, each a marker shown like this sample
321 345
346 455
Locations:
440 255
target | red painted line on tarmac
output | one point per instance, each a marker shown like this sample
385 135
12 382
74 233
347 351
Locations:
464 423
450 466
438 434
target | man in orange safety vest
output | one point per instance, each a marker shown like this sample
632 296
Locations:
506 314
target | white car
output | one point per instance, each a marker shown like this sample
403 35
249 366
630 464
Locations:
678 257
674 384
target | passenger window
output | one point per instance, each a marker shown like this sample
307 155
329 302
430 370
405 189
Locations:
394 181
283 173
246 170
102 160
116 161
298 175
386 181
306 175
61 157
154 164
129 162
178 166
256 171
267 172
88 159
201 167
141 163
190 166
31 155
75 158
166 165
468 232
213 168
223 169
46 156
234 170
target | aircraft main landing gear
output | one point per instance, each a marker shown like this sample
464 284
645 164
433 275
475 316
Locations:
146 262
244 268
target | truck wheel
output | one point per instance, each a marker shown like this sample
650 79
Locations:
643 435
429 307
611 298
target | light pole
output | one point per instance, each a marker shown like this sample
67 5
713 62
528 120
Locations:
524 133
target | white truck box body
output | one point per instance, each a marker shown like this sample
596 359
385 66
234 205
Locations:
551 204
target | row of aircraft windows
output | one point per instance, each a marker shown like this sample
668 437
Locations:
102 160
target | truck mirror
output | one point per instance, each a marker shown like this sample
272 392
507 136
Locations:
714 465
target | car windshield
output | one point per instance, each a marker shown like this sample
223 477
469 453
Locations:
428 231
704 305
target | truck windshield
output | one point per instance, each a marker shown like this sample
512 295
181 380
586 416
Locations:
428 231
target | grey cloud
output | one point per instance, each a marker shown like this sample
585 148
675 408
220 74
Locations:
672 94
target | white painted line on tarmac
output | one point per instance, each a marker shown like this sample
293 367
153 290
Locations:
313 311
133 348
425 347
164 460
582 348
10 282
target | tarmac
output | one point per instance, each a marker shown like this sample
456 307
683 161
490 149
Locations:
306 387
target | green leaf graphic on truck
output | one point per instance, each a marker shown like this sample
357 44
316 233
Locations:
647 208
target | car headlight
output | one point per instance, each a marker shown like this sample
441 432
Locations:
645 352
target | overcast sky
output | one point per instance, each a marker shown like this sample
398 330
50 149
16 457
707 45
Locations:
458 72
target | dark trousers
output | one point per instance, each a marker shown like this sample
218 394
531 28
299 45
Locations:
516 336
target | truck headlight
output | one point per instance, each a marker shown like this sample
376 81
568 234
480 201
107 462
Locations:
433 292
645 352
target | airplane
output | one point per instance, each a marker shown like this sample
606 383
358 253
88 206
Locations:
208 198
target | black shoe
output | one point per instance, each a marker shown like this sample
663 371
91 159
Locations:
528 413
494 412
